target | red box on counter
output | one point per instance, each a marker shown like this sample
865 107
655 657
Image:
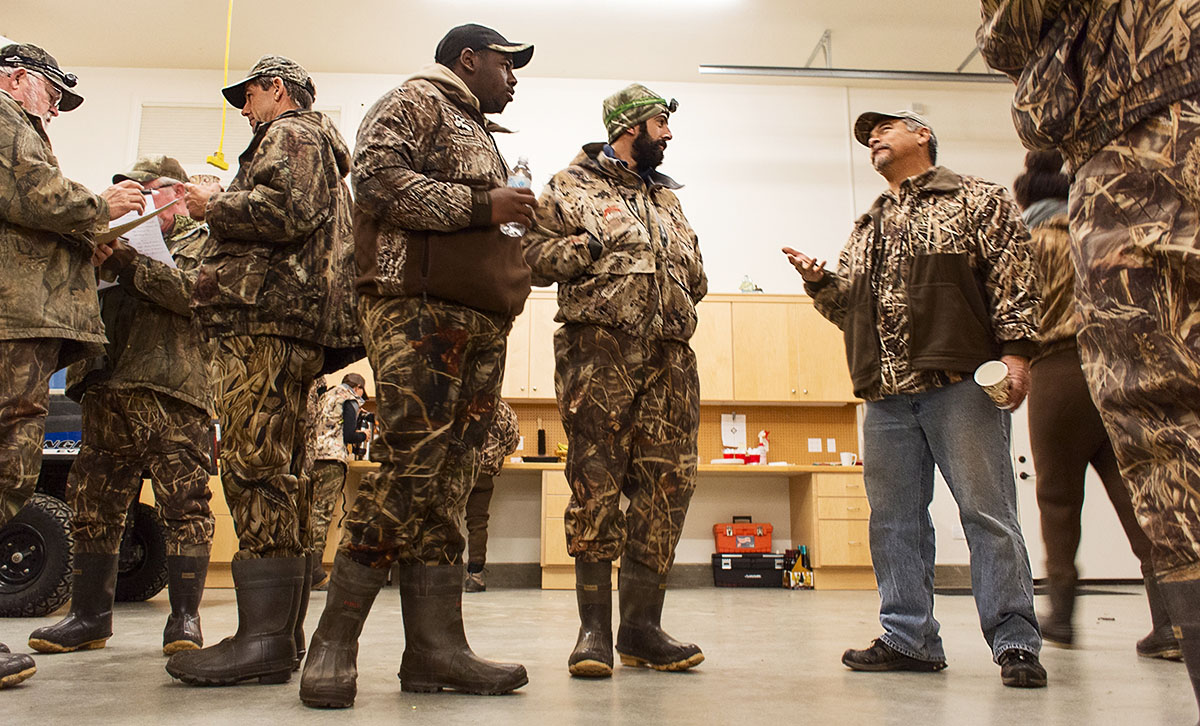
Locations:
742 535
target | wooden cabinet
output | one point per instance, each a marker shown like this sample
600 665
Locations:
830 516
714 350
529 365
784 351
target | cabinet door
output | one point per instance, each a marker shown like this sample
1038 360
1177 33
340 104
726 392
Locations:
764 358
541 347
714 350
516 361
821 373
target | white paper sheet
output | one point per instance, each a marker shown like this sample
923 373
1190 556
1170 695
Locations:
733 430
146 238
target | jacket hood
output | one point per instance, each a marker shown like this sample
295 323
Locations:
454 89
320 124
592 156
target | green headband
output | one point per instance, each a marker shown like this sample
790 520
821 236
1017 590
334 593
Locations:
671 106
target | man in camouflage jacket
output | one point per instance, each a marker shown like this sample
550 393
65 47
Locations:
611 232
276 291
1114 85
49 316
936 279
440 285
147 406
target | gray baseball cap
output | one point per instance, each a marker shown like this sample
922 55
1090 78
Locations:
867 122
269 66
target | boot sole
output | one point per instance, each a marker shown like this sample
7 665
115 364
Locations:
327 700
409 686
912 666
1024 680
272 678
1175 654
591 669
13 679
675 666
176 646
49 646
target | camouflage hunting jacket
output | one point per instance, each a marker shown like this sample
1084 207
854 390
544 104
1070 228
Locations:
1050 237
280 259
153 341
1088 70
47 282
502 438
424 162
329 441
620 249
932 283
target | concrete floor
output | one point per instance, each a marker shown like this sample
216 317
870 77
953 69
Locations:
773 658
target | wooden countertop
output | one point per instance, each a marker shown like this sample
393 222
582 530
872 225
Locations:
732 469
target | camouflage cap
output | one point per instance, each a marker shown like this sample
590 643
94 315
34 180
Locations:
32 58
478 37
269 66
148 168
632 105
867 122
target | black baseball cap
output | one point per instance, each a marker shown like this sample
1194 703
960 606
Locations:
478 37
32 58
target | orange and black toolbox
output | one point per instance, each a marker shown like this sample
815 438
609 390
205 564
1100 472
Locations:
742 535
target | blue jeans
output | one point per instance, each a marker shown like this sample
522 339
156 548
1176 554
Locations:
959 429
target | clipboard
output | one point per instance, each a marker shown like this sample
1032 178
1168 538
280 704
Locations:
113 232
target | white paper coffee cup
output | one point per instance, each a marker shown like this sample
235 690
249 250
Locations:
992 377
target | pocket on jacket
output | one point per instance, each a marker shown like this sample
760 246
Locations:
949 324
232 279
626 247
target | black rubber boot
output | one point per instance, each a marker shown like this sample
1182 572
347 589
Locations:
436 653
1161 642
1057 626
331 670
640 639
89 624
185 588
264 647
593 653
14 668
303 609
1183 605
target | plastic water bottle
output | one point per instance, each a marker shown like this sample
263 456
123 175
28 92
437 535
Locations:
519 179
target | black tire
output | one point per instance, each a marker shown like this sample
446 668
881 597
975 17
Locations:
35 559
142 571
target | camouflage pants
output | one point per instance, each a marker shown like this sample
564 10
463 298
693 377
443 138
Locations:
1135 227
25 369
262 382
327 479
437 369
127 432
631 410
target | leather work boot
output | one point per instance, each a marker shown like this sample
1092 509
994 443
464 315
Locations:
593 653
880 657
14 668
331 670
303 609
1183 604
89 624
264 646
185 588
1161 642
436 652
641 640
1056 626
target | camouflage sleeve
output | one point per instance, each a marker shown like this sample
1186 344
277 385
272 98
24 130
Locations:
1010 275
502 438
831 295
287 199
560 247
167 287
388 183
697 279
33 191
1011 30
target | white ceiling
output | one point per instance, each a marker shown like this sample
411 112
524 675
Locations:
660 39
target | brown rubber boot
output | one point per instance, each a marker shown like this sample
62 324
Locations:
593 653
1161 642
436 652
14 668
640 639
1057 626
331 670
89 624
264 647
185 588
1183 605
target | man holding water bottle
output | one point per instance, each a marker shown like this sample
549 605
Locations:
440 284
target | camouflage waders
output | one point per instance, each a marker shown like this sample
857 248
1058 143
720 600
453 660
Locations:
25 369
127 432
631 410
438 368
262 382
327 480
1135 228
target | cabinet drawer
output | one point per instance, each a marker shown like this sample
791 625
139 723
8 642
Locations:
843 508
843 543
555 505
555 482
554 543
840 485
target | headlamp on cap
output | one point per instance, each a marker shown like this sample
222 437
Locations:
671 106
56 74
